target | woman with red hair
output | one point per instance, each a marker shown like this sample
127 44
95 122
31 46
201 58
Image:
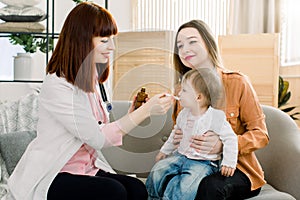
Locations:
64 161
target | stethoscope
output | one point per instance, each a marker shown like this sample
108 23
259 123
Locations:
108 105
104 97
100 69
105 101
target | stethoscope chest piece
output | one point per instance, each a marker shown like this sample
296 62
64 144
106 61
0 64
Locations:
109 106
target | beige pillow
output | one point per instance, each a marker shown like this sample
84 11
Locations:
21 27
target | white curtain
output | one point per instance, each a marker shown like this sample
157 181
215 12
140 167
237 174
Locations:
170 14
290 32
253 16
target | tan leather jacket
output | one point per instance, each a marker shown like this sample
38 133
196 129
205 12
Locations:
246 117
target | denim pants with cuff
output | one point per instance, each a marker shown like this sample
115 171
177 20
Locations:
178 177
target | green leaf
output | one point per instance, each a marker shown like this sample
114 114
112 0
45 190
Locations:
31 43
284 96
293 116
288 109
78 1
296 113
284 90
43 45
280 87
285 99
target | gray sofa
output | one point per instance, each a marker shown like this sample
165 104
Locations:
280 159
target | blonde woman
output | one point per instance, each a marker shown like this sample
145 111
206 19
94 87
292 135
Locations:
196 47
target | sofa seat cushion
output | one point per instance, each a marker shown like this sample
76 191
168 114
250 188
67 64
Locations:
269 193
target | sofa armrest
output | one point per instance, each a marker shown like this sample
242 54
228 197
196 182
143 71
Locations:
280 159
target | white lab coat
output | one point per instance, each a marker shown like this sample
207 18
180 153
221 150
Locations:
65 115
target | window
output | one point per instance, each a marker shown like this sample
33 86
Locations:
290 31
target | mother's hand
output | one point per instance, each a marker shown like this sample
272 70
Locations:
177 137
208 143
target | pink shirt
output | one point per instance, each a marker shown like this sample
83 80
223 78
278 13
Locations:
82 162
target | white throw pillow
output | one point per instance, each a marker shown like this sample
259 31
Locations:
21 3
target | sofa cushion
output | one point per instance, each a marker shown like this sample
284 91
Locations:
283 148
20 115
12 147
269 193
8 117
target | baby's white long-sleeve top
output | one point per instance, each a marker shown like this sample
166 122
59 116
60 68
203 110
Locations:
212 120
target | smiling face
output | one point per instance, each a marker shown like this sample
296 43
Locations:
103 46
191 49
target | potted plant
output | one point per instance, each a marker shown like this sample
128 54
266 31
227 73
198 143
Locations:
30 43
78 1
284 96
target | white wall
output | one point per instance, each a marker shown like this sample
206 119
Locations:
121 10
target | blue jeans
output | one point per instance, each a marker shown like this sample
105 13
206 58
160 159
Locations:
178 177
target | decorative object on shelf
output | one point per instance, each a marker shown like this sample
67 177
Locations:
25 17
21 11
22 66
22 27
30 44
21 3
21 14
284 96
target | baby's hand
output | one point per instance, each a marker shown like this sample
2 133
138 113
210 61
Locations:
227 171
160 156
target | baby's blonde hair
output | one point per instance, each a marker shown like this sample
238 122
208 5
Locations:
207 82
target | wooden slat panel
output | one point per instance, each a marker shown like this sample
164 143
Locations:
145 59
257 56
142 59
